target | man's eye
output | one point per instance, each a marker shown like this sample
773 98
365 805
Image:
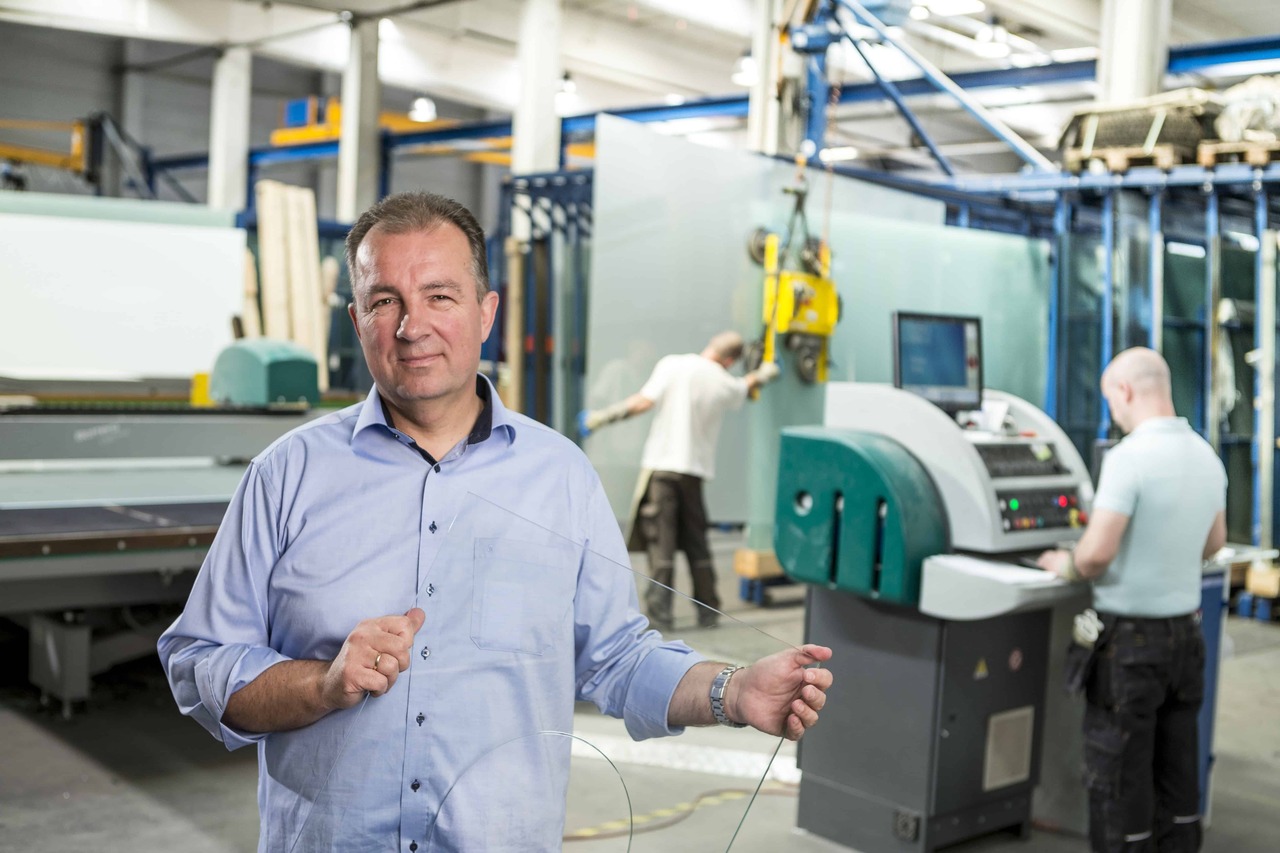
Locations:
387 300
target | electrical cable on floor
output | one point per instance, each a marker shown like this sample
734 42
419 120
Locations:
675 814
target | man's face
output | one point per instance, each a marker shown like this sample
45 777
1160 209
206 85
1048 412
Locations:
417 316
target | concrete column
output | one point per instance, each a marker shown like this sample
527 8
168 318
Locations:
229 129
763 107
359 156
535 145
1134 50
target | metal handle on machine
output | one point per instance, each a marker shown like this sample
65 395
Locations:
837 519
877 569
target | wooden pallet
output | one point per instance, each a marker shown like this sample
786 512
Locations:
1259 154
1122 159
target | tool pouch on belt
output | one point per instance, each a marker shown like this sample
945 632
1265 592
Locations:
1078 667
1087 638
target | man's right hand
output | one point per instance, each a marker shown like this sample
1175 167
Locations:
373 656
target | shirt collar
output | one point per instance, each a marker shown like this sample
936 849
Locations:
1161 425
492 414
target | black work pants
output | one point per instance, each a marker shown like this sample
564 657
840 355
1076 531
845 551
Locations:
1141 757
674 517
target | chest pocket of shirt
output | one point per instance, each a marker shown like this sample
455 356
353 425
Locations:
522 594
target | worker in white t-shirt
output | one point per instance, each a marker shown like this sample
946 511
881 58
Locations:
690 394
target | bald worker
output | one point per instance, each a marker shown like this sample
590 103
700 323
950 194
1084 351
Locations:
692 393
1159 512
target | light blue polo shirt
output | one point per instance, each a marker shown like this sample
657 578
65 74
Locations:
1171 484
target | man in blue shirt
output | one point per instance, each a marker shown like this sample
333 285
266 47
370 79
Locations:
1158 514
445 562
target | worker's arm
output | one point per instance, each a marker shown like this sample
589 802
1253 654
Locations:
295 693
761 376
779 694
590 421
1097 548
1217 535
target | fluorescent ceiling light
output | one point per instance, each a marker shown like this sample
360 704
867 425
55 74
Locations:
423 109
745 72
841 152
955 8
1073 54
1248 242
1188 250
673 100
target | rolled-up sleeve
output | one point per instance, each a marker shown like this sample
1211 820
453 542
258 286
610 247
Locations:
621 666
220 642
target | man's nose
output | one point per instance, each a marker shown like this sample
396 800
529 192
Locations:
413 325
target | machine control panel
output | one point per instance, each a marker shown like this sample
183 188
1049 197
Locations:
1039 509
1023 459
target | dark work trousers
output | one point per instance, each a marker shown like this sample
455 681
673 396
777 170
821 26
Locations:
674 517
1140 738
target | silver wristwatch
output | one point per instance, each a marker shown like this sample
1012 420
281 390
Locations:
718 688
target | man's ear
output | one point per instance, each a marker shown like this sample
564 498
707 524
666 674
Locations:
488 311
351 312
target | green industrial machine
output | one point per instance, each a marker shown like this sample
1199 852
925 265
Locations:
261 372
907 520
856 512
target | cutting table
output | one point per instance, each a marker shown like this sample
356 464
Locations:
108 507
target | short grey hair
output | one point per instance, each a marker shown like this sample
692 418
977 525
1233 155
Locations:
727 345
404 213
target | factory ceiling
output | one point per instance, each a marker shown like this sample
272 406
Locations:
635 52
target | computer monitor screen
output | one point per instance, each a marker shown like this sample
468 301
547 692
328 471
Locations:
940 358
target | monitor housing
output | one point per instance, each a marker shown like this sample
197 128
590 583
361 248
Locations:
939 357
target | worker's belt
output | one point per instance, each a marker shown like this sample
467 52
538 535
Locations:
1111 620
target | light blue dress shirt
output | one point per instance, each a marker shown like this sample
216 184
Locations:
510 547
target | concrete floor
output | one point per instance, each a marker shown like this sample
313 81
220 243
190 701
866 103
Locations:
128 773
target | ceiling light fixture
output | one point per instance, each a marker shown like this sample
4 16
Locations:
745 72
423 109
955 8
840 152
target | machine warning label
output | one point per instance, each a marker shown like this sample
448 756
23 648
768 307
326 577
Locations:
980 671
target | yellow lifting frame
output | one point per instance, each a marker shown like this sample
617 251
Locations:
798 302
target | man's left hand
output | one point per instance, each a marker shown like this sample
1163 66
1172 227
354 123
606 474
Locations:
1054 561
779 694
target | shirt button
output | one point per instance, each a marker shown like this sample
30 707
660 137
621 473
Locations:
437 469
433 527
420 718
413 845
415 786
426 652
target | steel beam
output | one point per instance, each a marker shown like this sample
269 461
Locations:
935 76
1107 310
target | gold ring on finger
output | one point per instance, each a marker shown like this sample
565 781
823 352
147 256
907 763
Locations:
377 660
